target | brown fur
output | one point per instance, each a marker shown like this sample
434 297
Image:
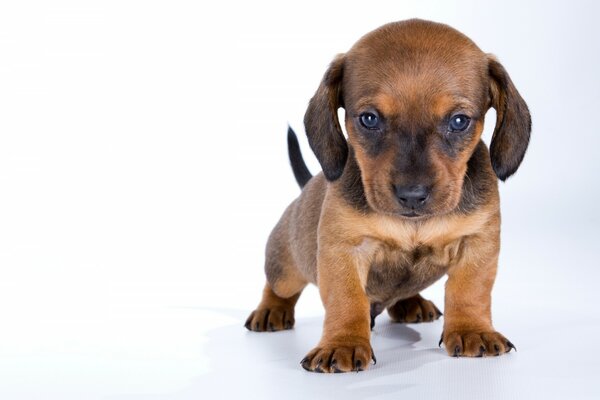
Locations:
348 233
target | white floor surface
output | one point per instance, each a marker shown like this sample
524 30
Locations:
186 341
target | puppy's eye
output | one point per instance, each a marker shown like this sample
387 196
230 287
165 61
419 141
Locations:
458 123
369 120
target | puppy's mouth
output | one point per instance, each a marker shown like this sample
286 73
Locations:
411 214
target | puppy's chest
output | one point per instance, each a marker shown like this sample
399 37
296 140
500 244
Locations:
399 272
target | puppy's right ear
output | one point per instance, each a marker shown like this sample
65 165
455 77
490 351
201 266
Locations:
321 121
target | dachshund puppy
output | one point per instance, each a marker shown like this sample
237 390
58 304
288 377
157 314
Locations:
409 197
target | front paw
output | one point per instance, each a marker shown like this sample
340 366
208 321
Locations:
340 356
475 344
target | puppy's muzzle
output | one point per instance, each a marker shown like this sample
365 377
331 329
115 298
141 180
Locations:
412 197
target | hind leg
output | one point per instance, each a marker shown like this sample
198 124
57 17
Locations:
276 309
274 313
414 309
284 283
282 290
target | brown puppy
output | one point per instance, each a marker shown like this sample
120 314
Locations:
410 196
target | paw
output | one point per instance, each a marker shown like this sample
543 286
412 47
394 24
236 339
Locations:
414 309
342 356
475 344
270 319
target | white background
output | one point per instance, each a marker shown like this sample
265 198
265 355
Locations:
143 164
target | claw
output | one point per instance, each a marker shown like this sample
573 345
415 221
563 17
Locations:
402 317
248 323
305 363
481 351
333 366
373 358
318 366
510 346
266 321
456 351
441 340
358 365
497 349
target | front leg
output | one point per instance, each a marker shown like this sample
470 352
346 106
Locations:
345 343
468 329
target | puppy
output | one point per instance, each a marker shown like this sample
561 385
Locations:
409 197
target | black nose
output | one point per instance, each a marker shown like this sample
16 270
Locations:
413 196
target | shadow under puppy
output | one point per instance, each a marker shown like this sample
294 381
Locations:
412 194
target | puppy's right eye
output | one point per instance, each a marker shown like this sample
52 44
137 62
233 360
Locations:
369 120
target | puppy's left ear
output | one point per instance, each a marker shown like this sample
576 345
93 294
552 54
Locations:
513 122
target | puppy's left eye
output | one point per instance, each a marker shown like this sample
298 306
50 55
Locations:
369 120
458 123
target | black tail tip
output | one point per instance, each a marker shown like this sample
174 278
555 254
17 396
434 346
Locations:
292 137
301 172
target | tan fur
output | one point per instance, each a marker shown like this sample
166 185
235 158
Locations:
363 254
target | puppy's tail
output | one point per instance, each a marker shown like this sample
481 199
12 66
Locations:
301 172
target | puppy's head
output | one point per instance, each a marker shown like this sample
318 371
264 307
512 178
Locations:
415 95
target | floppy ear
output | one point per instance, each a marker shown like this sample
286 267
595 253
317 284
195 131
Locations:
321 121
513 122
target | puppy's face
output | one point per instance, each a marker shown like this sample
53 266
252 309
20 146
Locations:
415 105
415 95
